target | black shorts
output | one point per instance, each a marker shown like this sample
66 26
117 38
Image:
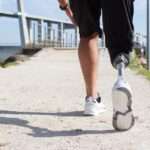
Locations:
87 14
117 21
116 14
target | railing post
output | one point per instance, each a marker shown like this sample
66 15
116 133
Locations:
49 32
45 36
23 24
41 32
30 31
34 35
76 36
148 37
60 33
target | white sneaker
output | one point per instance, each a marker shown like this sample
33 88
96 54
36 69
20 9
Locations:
123 118
93 106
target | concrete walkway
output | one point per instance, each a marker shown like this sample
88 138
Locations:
41 104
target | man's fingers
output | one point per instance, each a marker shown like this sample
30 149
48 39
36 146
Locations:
70 15
68 11
62 2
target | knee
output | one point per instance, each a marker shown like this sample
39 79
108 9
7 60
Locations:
116 57
89 38
88 41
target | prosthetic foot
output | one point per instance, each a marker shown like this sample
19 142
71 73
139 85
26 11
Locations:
123 118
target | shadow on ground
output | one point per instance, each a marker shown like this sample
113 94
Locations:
44 132
61 114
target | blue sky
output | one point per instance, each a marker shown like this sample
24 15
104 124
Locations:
9 27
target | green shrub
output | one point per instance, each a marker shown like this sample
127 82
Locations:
136 66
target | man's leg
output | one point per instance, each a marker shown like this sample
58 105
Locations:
118 26
88 56
87 15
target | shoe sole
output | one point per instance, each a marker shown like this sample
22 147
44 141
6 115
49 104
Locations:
123 118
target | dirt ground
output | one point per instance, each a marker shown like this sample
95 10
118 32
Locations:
42 100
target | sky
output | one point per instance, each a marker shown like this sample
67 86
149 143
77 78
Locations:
9 30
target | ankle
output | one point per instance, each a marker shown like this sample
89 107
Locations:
93 95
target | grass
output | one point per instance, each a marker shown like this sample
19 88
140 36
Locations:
8 64
145 73
136 66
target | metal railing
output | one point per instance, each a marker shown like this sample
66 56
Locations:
52 38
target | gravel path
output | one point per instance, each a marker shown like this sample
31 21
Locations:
41 104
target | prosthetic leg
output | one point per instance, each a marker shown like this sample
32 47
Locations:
123 118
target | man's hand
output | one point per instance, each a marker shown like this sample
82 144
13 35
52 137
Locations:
63 2
70 15
68 10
